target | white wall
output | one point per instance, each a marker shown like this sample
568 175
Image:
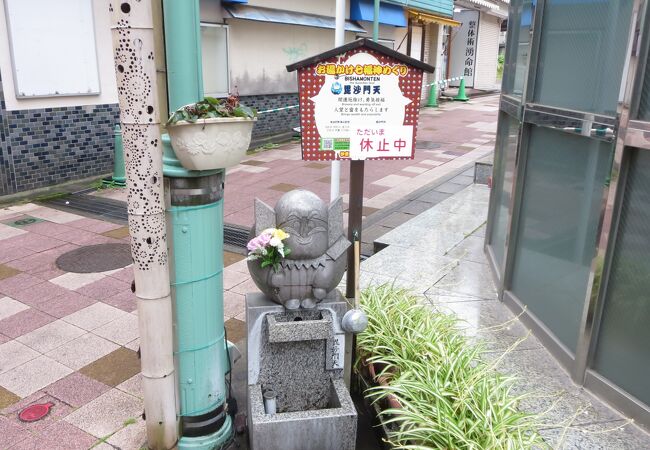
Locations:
107 83
487 52
260 52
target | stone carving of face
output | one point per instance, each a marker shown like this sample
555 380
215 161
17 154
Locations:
304 216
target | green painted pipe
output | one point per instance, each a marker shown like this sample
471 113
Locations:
196 253
119 171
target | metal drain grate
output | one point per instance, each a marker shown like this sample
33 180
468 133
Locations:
234 235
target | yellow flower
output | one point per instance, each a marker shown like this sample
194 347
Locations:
280 234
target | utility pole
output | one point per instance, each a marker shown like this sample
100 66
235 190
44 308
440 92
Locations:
339 39
133 49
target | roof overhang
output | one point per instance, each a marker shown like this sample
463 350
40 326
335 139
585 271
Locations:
432 18
367 43
260 14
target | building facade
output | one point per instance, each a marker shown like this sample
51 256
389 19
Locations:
475 44
568 227
58 98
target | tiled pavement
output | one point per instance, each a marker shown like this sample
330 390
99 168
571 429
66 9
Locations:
450 139
439 254
71 339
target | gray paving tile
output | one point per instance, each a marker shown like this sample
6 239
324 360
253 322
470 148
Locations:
491 322
433 197
396 219
469 278
619 435
449 188
416 207
423 268
470 249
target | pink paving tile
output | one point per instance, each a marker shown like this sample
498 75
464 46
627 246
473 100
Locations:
125 301
47 228
10 286
65 304
48 273
58 410
76 389
39 293
4 338
125 274
104 288
12 252
77 236
24 322
93 225
65 436
12 433
37 242
13 409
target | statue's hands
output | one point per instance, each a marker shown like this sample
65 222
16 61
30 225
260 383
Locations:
319 293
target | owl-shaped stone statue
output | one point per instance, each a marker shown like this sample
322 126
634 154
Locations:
317 260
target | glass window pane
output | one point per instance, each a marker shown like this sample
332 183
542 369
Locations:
560 210
644 98
582 54
502 185
521 19
214 49
622 352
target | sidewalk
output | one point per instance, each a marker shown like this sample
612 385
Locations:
71 339
450 139
439 255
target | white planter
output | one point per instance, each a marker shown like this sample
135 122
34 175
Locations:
211 143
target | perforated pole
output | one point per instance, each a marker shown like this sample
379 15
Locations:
133 48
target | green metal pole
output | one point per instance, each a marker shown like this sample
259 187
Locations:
375 23
195 218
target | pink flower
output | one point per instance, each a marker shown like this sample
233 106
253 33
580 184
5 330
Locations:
259 242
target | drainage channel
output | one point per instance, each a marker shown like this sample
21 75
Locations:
234 236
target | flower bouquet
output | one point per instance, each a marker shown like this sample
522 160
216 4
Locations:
268 247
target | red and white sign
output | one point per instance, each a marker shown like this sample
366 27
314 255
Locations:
359 105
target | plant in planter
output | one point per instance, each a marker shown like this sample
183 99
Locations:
211 133
433 386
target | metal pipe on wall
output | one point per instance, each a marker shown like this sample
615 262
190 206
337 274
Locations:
133 48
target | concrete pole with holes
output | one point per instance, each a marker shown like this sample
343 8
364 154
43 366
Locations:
133 47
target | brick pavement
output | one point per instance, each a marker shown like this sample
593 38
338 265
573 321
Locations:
71 339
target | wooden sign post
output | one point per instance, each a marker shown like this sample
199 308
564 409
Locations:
359 101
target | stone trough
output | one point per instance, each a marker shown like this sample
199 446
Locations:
298 354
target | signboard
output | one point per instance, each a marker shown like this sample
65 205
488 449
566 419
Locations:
359 104
463 47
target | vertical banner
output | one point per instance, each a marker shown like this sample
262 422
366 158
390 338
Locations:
463 47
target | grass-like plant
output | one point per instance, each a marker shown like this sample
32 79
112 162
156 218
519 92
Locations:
450 398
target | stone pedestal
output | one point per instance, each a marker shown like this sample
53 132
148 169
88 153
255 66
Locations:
300 355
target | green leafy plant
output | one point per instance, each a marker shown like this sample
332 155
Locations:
210 108
450 398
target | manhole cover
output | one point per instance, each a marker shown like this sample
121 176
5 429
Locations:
35 412
95 258
426 145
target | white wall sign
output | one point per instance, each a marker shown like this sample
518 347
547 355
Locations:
52 47
463 47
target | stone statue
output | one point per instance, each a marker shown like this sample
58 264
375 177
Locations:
317 259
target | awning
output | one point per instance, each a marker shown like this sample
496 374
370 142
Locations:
484 4
430 18
388 14
286 17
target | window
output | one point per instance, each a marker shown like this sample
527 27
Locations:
214 50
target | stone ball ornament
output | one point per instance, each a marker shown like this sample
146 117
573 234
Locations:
316 258
354 321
